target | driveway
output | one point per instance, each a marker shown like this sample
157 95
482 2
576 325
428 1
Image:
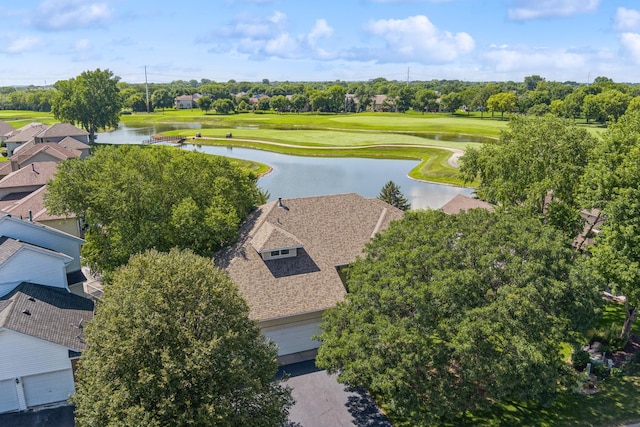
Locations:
61 416
321 401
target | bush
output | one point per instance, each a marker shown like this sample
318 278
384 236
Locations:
580 358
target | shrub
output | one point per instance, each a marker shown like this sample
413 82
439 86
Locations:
580 358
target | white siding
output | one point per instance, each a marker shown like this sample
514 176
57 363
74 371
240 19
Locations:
23 355
294 337
8 396
35 267
48 387
40 236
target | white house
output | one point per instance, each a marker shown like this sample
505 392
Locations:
41 338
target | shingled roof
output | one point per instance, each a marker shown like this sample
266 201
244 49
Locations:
47 313
462 203
32 202
35 174
333 230
5 128
58 130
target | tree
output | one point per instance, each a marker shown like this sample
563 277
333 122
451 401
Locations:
502 102
205 103
299 101
135 198
537 163
280 103
483 95
451 102
90 100
391 194
453 313
223 106
264 104
425 100
336 96
172 344
612 184
161 99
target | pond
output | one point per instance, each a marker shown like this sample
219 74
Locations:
298 176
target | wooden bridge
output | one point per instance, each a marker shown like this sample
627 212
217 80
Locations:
156 139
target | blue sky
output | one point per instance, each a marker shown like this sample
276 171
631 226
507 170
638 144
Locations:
302 40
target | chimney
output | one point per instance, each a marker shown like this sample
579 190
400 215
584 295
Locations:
280 205
14 165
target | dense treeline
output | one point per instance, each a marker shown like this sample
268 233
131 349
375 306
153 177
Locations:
597 102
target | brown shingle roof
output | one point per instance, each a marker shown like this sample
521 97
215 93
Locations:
32 202
5 128
25 152
333 230
71 143
34 174
62 129
462 203
26 132
54 314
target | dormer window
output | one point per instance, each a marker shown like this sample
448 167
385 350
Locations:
272 242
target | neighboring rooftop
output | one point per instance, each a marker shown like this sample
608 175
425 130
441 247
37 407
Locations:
61 130
48 313
462 203
34 174
333 230
31 202
5 128
29 150
26 132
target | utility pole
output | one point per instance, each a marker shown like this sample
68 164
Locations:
408 68
146 86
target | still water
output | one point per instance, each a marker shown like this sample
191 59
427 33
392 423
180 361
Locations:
297 176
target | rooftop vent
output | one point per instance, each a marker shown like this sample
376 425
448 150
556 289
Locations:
281 205
27 312
31 299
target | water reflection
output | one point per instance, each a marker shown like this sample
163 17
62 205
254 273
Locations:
296 176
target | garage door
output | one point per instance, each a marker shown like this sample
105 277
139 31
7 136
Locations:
8 396
48 387
294 339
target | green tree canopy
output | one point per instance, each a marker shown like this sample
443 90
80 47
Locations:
612 184
537 162
172 345
205 103
161 99
90 100
391 194
136 198
502 102
452 313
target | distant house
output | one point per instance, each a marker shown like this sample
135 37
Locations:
187 101
24 181
41 339
287 262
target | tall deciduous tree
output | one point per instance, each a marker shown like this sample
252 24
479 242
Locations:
90 100
537 162
453 313
161 99
172 345
391 194
502 103
135 198
205 103
612 183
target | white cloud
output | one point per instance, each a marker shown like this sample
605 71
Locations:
631 42
525 59
537 9
82 45
626 19
319 30
71 14
416 38
15 44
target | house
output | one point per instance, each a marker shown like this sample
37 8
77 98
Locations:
26 180
44 237
462 203
287 262
187 101
45 152
38 133
5 129
41 338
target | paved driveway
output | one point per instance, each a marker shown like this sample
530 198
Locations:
321 401
61 416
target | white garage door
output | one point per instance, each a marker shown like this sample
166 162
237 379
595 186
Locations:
294 339
8 396
48 387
